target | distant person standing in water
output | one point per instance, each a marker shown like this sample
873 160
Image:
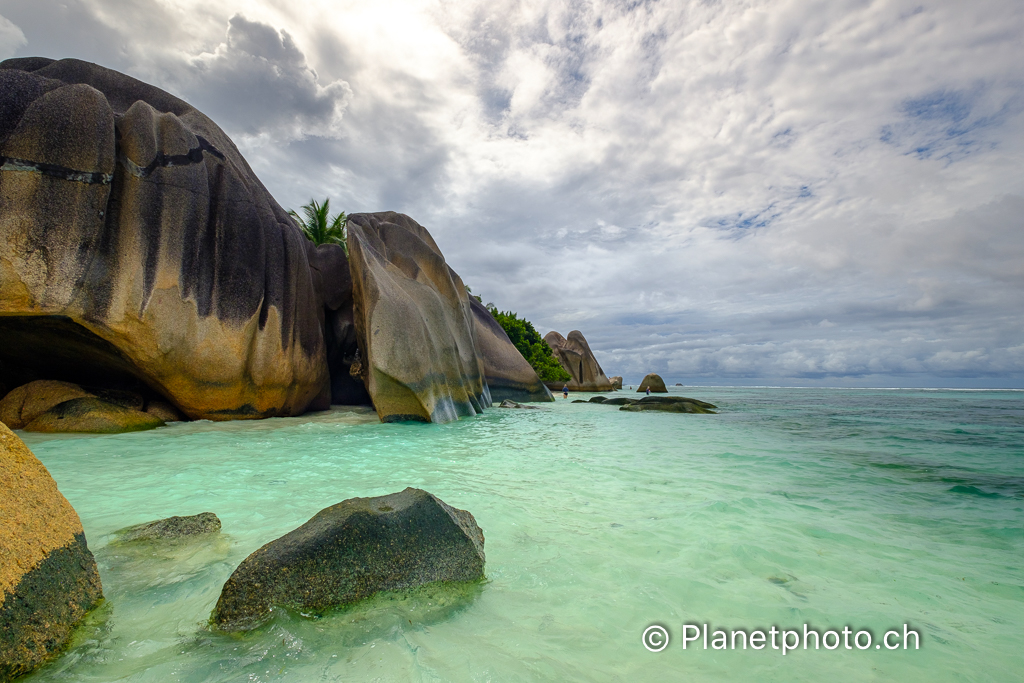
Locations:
648 391
565 391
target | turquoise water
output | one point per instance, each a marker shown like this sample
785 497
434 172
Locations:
866 508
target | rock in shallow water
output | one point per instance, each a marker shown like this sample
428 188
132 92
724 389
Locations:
170 528
92 415
670 404
29 401
654 382
48 577
350 551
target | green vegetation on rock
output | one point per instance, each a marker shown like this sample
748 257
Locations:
525 338
319 228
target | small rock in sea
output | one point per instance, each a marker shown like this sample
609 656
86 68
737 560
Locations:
654 382
509 403
678 384
580 400
620 401
598 399
350 551
171 527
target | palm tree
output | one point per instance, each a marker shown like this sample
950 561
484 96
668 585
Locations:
318 228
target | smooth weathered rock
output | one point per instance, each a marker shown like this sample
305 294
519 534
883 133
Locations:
350 551
170 528
598 399
509 403
574 354
29 401
48 577
620 401
508 374
92 415
616 382
654 382
671 404
164 411
414 323
679 384
137 247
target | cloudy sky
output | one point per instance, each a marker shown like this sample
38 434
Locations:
791 192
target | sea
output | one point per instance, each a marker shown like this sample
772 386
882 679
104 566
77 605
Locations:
613 539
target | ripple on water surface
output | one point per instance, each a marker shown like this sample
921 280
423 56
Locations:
830 507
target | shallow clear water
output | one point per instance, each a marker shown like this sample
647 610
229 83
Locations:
828 507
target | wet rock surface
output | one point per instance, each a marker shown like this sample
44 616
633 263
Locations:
414 323
48 576
350 551
170 528
508 403
671 404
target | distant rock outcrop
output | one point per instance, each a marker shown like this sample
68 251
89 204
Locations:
138 249
508 374
48 577
654 382
350 551
413 323
616 382
574 354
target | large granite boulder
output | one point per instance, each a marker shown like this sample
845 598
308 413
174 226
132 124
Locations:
574 354
616 382
414 324
138 249
653 382
509 375
350 551
48 577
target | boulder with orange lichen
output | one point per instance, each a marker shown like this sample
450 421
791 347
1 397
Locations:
48 576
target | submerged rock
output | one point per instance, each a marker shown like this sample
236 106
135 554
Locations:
574 354
350 551
620 401
598 399
92 415
48 577
654 382
507 403
616 382
414 323
138 246
671 404
170 528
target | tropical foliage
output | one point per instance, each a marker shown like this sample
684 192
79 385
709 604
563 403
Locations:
319 228
533 347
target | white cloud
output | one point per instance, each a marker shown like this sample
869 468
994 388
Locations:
811 189
11 38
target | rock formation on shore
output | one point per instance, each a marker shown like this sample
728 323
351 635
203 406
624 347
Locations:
139 251
413 322
574 354
350 551
616 382
654 382
48 577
